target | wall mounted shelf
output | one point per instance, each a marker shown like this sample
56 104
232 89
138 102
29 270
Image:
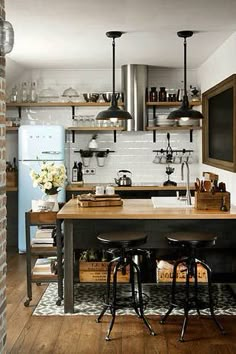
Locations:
169 128
172 104
21 105
11 129
92 129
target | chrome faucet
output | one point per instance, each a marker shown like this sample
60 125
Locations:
188 194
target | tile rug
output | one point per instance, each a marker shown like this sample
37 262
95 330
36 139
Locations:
89 298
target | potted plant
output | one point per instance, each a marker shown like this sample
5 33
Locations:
86 156
101 155
50 179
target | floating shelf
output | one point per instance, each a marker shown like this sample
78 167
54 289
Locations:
171 128
172 104
59 104
11 129
74 129
95 128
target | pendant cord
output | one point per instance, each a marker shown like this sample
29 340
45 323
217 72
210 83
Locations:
185 66
113 66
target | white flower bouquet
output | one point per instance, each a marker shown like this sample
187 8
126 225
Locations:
50 178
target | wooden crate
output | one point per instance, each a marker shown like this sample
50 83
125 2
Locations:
211 201
96 272
164 272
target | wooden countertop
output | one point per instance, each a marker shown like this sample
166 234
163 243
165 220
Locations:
134 187
140 209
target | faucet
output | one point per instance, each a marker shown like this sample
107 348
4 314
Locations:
188 194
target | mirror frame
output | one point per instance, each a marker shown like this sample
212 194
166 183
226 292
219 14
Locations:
207 158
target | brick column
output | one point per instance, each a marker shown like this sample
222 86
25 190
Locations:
3 265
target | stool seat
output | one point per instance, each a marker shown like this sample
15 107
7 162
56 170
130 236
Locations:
192 239
126 243
123 239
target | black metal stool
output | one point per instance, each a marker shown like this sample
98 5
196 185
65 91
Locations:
126 243
191 241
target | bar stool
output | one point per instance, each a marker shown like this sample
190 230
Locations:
191 241
125 243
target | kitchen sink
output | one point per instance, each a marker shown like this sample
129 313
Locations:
170 202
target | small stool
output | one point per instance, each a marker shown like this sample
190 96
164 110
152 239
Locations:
125 242
191 241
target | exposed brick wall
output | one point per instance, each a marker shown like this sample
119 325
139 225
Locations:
3 264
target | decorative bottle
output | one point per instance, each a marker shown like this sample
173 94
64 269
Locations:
14 93
33 92
162 94
24 94
75 172
153 95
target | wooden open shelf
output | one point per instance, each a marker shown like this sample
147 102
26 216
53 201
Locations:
43 278
95 128
59 104
169 127
172 104
11 129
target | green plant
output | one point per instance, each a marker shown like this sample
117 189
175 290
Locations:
86 153
101 154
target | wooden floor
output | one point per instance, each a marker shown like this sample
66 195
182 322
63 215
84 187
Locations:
81 334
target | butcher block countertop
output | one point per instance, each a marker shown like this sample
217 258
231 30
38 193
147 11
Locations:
140 209
135 187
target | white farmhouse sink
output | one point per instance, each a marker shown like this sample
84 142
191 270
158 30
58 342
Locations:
170 202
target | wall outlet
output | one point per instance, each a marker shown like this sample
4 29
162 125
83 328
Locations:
89 171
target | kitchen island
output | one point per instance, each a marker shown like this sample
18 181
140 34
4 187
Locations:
137 214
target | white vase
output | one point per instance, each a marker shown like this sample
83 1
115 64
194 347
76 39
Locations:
53 198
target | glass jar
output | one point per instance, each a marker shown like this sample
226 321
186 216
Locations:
153 95
162 94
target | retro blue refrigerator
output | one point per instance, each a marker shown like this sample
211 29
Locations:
37 143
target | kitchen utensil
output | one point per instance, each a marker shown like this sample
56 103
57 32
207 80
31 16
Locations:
123 179
207 185
197 184
48 95
107 96
70 93
91 97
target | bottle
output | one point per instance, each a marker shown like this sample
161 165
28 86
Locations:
24 95
80 173
14 93
14 164
33 92
75 172
153 95
162 94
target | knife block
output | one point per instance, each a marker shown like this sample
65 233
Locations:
212 201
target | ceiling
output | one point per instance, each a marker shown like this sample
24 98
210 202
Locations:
70 34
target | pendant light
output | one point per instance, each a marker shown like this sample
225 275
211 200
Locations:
113 112
6 37
185 111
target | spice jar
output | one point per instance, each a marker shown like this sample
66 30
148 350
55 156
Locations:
162 94
153 95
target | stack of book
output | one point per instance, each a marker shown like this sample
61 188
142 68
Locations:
43 238
43 266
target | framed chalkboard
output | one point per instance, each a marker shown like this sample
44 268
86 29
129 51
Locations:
219 124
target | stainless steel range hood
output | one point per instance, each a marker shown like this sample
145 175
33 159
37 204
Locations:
134 85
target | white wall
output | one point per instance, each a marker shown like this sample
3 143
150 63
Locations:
133 151
217 68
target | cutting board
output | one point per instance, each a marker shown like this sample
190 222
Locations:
92 200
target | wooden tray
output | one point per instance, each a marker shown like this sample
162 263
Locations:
92 200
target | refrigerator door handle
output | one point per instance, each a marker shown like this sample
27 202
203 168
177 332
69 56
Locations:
51 152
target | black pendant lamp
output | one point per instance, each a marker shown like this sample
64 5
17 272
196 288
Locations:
113 111
185 111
